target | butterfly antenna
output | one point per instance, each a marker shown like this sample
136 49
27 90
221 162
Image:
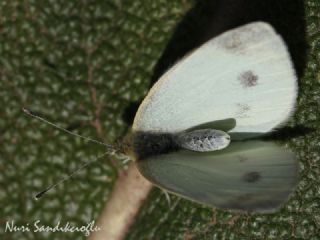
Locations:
40 194
110 147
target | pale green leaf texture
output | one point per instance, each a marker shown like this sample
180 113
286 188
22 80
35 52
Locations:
66 59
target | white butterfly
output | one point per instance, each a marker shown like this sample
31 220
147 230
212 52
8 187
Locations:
196 133
236 87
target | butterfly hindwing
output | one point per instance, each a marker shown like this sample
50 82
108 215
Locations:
246 176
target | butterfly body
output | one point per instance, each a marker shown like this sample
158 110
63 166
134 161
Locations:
147 144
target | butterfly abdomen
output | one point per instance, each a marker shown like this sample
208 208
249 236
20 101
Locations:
203 140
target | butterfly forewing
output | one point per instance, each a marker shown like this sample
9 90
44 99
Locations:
244 74
246 176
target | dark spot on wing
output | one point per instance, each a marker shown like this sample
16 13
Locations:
251 202
251 177
233 42
248 79
246 198
241 158
241 202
